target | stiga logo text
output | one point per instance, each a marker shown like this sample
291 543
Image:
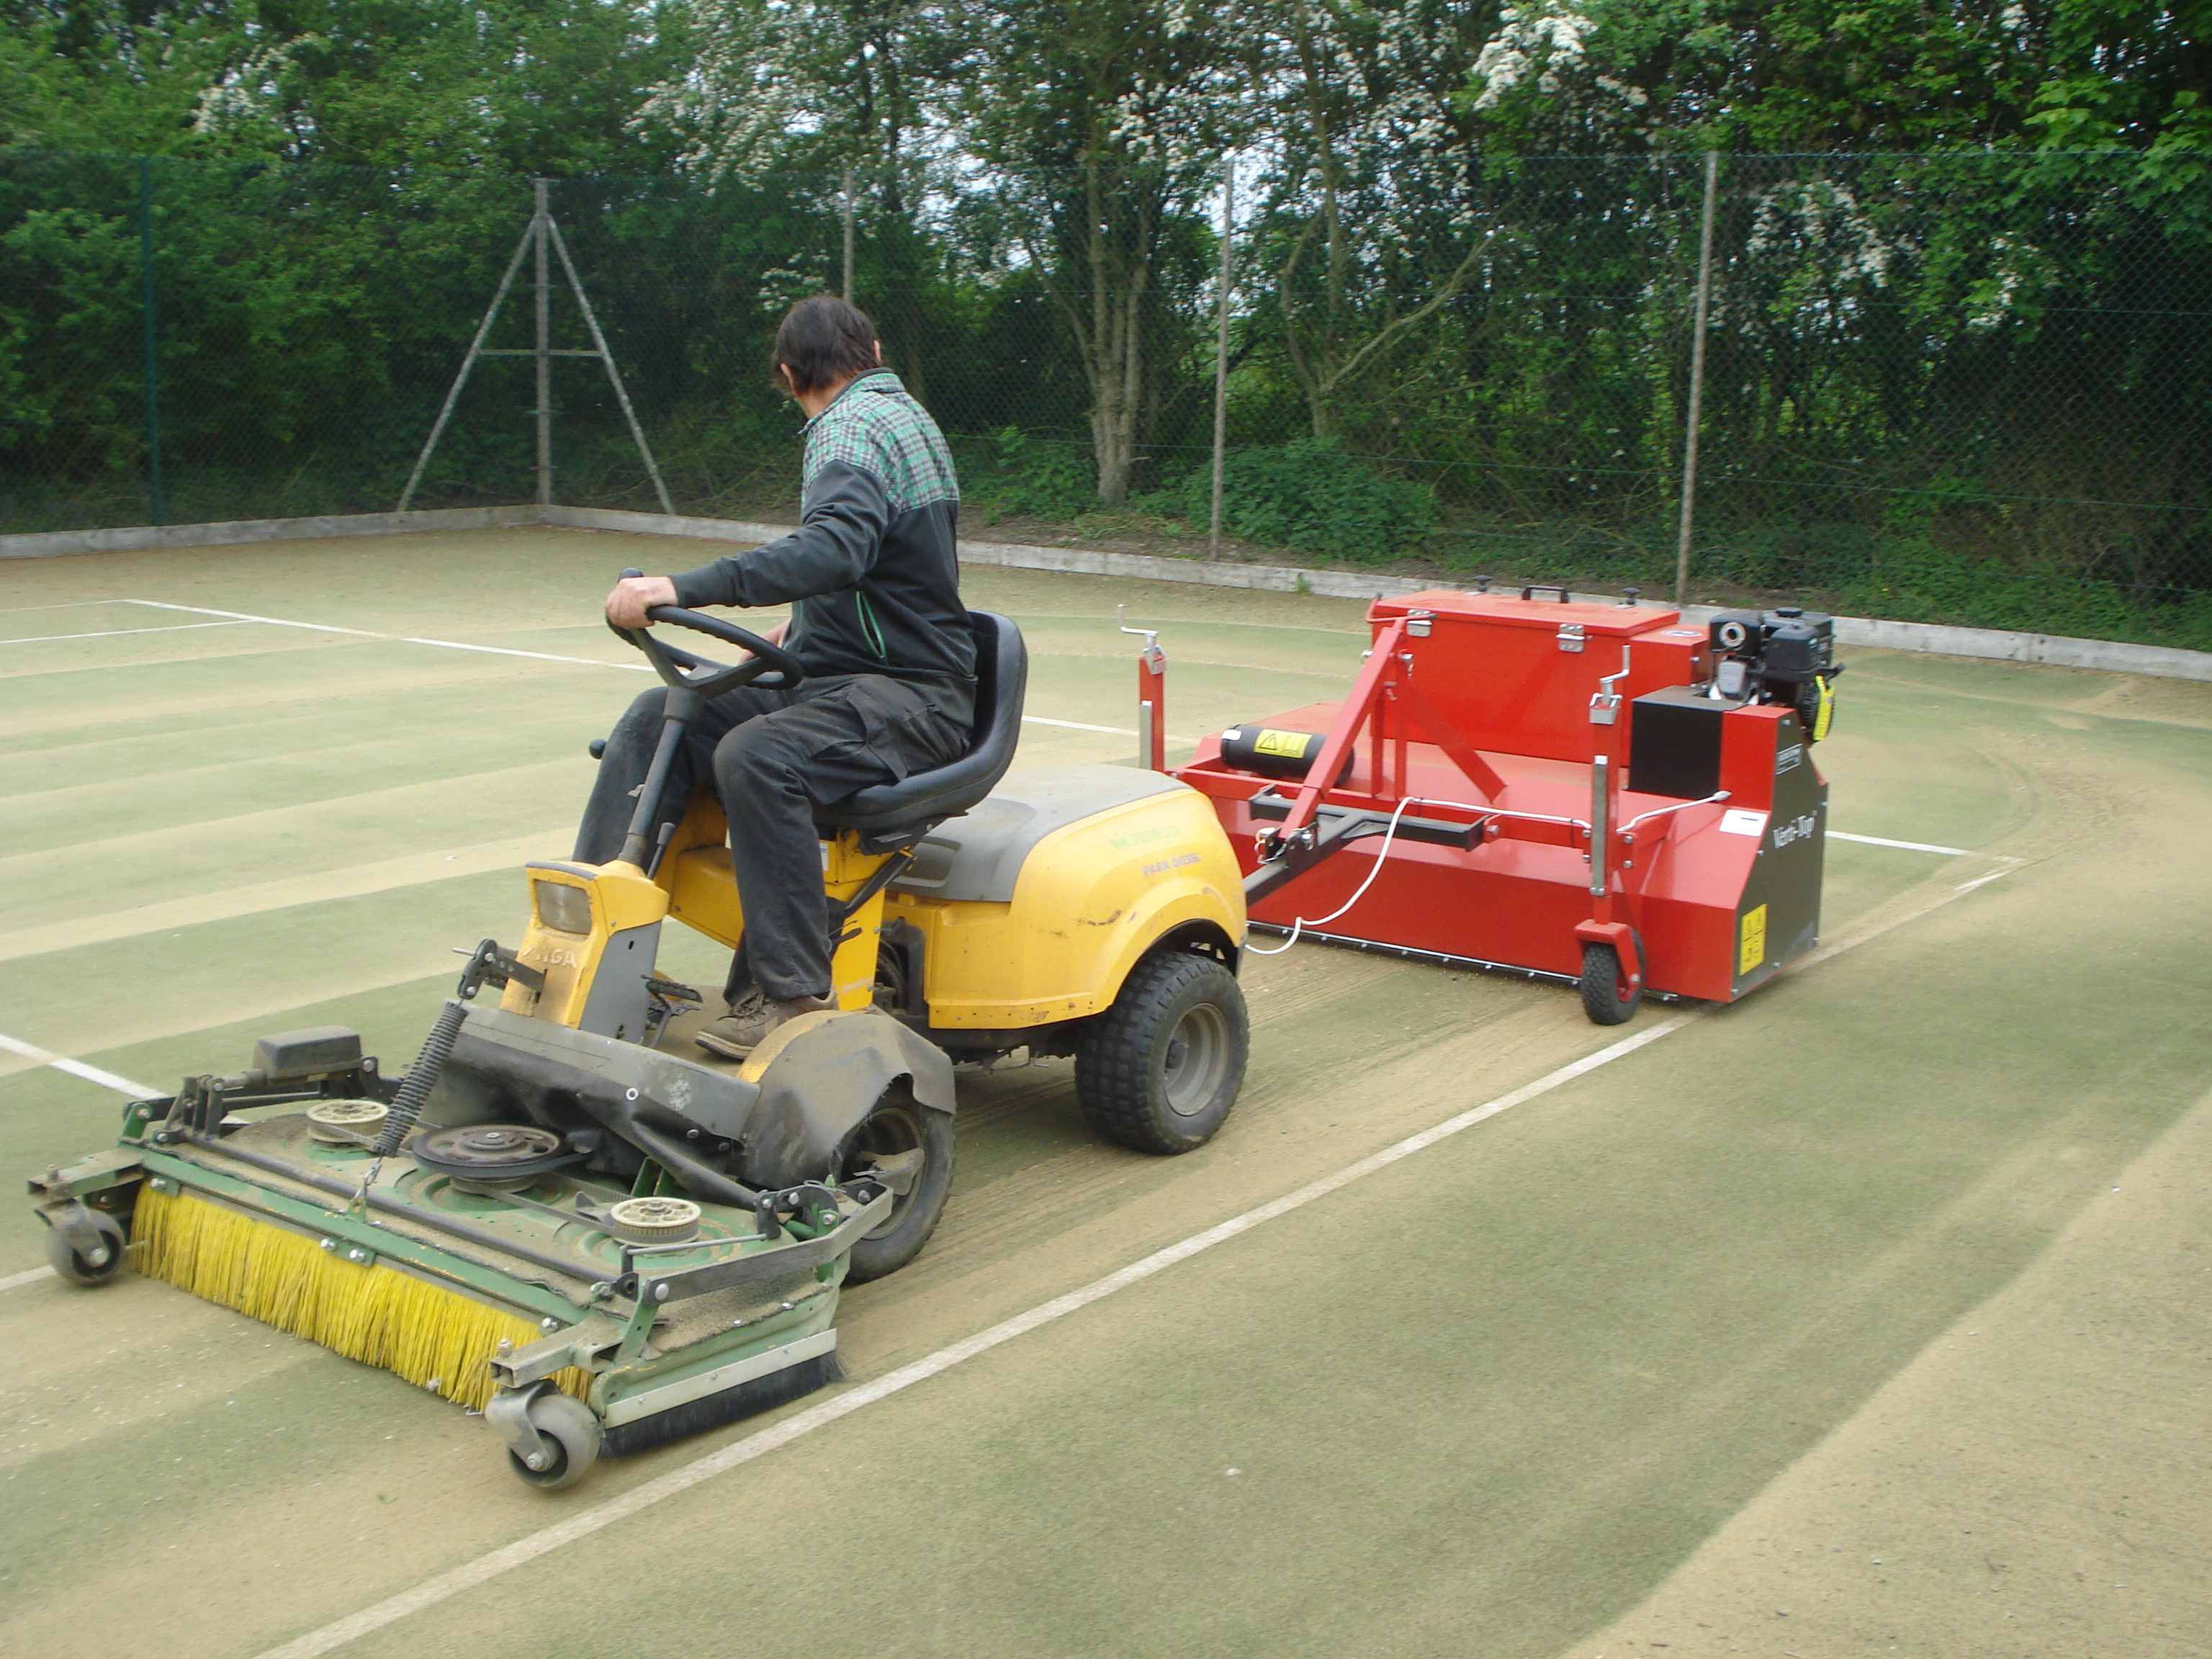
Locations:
1796 829
1786 758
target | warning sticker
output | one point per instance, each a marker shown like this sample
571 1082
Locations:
1751 941
1292 744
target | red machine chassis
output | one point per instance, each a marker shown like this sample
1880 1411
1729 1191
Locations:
1485 754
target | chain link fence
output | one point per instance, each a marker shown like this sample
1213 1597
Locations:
1973 388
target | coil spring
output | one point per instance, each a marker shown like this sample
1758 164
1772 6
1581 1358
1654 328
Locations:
415 1087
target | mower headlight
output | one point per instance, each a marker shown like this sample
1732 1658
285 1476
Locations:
563 908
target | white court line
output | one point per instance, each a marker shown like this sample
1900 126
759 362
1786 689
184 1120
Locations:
30 1276
1908 846
1981 881
111 633
496 651
525 1550
247 616
504 651
1078 726
122 1086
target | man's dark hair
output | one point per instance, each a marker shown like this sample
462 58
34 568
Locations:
822 340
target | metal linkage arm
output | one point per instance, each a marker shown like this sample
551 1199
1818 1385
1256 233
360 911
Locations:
1340 827
1358 708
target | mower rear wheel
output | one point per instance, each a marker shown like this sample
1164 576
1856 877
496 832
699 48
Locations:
1159 1071
899 1134
567 1425
1610 997
103 1261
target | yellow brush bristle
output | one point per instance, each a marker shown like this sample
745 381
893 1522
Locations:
376 1314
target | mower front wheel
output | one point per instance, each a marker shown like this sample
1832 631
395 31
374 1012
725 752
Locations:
1611 996
98 1262
908 1147
571 1435
1159 1071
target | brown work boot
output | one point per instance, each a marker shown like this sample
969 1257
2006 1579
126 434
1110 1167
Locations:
751 1019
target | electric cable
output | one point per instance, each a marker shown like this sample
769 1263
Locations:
1301 923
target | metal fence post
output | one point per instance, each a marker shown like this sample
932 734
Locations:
847 291
1221 356
539 218
153 338
606 356
468 362
1697 383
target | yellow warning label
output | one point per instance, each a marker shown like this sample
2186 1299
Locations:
1751 942
1292 744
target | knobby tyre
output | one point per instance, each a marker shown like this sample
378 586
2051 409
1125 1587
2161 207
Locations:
1609 997
1159 1070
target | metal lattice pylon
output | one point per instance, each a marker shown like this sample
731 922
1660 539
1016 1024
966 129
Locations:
541 235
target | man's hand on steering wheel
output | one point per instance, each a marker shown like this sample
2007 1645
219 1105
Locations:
632 595
758 656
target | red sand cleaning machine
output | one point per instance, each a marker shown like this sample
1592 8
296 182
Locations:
1589 792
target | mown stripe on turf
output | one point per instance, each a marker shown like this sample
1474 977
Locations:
222 905
112 633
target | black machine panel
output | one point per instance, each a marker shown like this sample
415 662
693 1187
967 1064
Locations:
1674 743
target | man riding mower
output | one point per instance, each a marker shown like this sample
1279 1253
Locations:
888 654
884 679
565 1214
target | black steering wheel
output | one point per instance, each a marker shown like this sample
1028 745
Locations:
685 672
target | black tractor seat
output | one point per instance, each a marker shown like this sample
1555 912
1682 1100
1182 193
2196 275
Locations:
894 815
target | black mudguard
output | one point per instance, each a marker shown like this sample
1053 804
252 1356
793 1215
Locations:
823 1081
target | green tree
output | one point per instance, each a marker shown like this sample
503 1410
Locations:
1103 123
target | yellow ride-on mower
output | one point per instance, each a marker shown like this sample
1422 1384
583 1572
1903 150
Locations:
566 1216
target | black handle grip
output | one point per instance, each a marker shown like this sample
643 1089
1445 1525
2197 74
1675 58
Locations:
1535 588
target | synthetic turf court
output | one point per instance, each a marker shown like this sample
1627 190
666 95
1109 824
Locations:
1866 1316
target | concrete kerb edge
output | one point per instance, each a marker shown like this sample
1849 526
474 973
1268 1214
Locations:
59 544
1997 645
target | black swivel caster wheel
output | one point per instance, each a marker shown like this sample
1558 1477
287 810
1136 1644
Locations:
571 1436
93 1263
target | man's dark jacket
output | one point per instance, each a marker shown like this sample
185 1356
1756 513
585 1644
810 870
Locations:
872 565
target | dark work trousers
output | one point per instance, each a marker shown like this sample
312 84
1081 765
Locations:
779 760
